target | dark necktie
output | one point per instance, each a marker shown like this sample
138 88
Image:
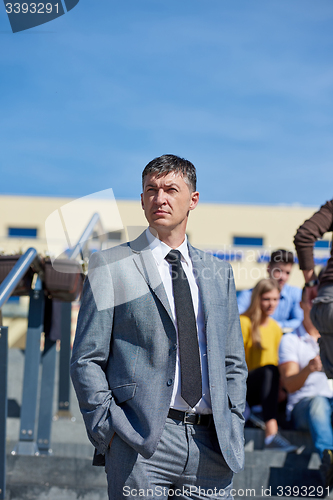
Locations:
191 387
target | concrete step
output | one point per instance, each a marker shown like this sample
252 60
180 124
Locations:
266 473
280 474
54 478
255 439
69 475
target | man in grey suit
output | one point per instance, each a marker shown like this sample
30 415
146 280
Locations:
158 359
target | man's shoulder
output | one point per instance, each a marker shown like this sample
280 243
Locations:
119 252
293 291
207 257
289 348
292 340
110 255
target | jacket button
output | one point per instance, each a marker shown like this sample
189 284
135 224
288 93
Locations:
169 382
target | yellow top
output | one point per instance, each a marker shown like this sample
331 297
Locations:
270 339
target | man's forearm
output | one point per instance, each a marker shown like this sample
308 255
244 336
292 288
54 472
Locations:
309 275
293 383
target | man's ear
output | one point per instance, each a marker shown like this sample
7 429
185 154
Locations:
142 204
269 269
194 200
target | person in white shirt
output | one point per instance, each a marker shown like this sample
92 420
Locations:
310 398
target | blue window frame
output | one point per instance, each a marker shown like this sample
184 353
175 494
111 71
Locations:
22 232
323 244
248 241
13 300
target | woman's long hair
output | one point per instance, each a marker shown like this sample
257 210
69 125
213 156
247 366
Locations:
254 310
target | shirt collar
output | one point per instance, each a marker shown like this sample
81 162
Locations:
160 250
284 291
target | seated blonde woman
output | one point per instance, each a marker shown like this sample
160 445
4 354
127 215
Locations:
262 335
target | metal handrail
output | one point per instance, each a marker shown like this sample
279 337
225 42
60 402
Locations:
16 274
78 248
22 265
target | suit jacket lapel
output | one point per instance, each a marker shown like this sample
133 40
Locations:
146 265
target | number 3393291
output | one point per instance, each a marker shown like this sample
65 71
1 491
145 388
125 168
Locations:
32 8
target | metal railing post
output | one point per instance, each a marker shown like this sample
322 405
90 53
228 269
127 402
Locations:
3 406
46 397
27 442
64 361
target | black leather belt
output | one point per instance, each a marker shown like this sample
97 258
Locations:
190 418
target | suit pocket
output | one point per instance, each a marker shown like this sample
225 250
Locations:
234 410
229 402
123 393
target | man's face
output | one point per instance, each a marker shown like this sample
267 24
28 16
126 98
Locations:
166 202
280 272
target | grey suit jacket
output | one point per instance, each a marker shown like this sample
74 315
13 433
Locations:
124 354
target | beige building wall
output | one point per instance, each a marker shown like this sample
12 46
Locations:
211 227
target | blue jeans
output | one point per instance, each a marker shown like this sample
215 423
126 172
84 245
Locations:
315 415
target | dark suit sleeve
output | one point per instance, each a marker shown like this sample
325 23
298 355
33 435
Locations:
91 352
310 231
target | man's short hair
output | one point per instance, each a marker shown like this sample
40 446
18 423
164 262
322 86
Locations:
165 164
281 256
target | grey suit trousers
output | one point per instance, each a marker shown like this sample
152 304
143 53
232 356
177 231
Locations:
186 464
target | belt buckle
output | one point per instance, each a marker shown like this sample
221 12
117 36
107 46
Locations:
188 414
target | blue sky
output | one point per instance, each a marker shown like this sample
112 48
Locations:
242 89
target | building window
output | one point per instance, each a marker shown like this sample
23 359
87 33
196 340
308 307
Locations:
248 241
323 244
22 232
13 300
114 235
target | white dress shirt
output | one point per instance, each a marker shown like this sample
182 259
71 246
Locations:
299 347
160 250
